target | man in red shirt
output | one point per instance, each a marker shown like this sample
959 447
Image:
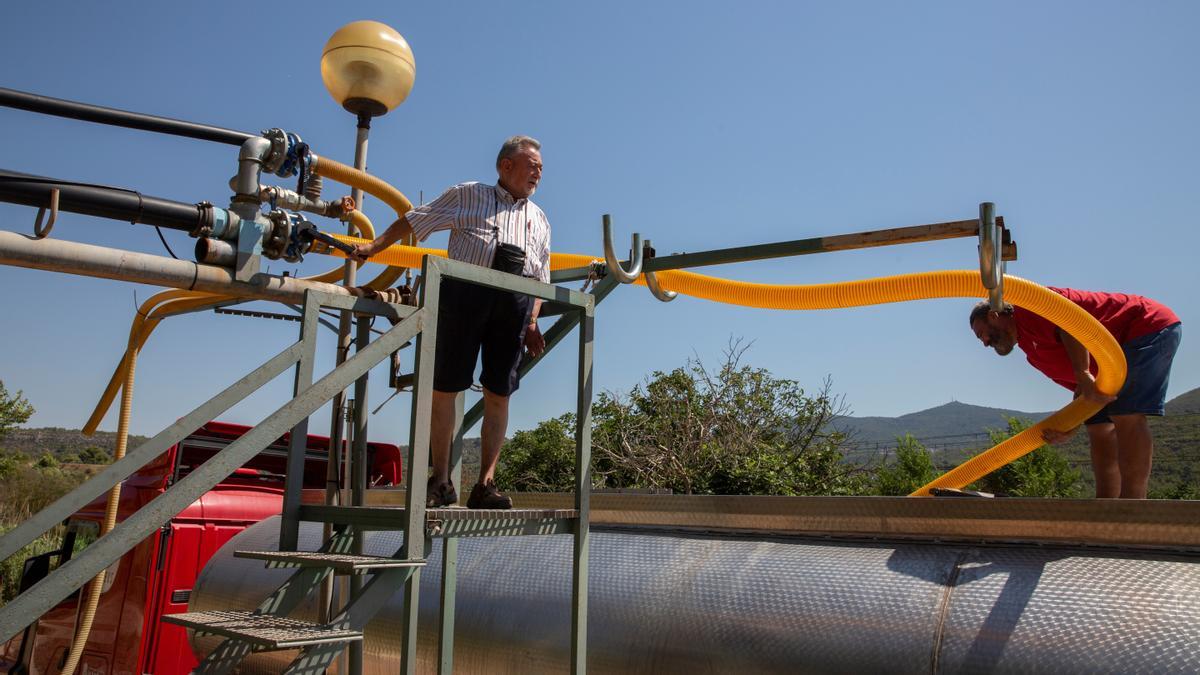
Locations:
1148 332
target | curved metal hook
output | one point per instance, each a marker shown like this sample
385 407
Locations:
652 281
40 232
610 257
991 261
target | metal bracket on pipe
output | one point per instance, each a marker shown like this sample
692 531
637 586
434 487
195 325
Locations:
991 261
613 264
40 232
651 280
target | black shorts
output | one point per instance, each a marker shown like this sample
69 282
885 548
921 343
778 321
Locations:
471 317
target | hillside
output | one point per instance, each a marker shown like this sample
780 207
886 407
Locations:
945 420
58 441
1185 404
956 431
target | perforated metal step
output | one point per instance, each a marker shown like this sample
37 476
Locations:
342 562
263 630
450 522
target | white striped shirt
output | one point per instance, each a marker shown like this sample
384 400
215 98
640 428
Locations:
478 216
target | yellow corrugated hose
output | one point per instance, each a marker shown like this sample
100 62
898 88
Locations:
950 284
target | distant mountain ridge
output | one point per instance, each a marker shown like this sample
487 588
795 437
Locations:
956 418
58 441
944 420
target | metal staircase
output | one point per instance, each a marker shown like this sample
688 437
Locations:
376 578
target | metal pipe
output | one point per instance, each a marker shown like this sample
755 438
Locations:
614 266
783 249
358 418
215 252
991 258
119 118
57 255
103 201
250 163
652 280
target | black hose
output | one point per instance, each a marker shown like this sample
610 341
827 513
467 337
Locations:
120 118
103 201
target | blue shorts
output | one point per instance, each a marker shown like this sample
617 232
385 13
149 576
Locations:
1149 368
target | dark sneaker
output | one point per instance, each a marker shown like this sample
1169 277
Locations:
486 496
439 495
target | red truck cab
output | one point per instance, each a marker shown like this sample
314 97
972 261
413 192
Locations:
156 576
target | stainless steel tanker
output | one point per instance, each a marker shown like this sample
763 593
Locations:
754 584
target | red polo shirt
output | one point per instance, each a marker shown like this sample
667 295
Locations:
1127 317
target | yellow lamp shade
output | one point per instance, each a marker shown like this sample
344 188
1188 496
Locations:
368 67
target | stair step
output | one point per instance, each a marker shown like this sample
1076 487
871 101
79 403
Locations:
342 562
263 630
450 522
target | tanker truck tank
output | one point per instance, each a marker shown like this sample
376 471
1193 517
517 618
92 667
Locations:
745 585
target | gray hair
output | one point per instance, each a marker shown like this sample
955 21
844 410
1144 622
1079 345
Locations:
982 309
514 144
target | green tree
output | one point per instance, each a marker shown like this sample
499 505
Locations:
14 410
1044 472
912 469
94 455
696 430
732 429
540 460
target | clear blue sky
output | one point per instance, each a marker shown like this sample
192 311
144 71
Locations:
699 124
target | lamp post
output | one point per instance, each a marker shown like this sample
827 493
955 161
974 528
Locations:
368 69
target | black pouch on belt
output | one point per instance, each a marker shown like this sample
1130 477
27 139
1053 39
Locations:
509 258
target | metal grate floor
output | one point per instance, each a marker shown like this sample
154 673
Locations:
263 630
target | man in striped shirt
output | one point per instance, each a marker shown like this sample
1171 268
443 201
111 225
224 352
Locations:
483 220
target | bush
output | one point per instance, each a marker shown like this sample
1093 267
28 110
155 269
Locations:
696 430
541 460
912 469
1044 472
11 569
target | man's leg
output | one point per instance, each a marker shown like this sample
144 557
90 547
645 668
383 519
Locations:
1135 454
1103 439
441 434
495 425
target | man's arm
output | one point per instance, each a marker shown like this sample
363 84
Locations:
396 231
1081 363
534 341
422 221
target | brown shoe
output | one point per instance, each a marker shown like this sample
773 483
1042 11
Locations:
486 496
439 495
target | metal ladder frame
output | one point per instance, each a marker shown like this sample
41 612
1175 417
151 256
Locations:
292 416
420 525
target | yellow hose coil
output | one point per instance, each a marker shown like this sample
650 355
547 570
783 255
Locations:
348 175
